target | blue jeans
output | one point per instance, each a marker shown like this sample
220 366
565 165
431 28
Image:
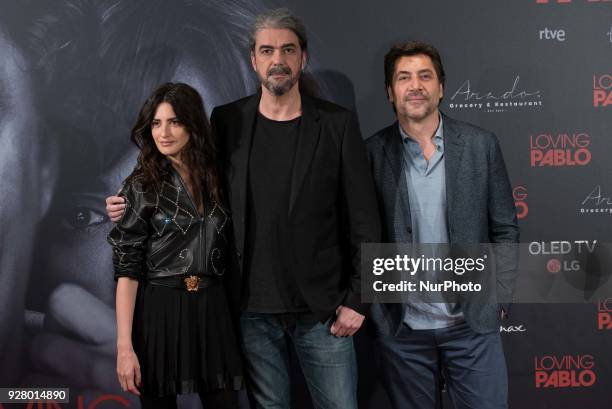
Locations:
328 362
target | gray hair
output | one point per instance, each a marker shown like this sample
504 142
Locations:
281 18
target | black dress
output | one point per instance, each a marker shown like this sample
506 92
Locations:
185 340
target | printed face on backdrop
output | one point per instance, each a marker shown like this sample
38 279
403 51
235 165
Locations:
168 132
20 189
18 156
416 89
278 59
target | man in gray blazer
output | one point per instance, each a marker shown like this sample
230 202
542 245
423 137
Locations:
439 180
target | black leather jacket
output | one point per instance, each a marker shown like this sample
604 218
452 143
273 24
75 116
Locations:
161 233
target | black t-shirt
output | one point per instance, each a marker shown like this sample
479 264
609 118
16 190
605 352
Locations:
271 289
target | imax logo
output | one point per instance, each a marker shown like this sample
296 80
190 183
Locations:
549 34
512 328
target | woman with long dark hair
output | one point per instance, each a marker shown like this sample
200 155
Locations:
174 327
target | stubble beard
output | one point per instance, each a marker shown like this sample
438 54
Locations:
421 113
418 116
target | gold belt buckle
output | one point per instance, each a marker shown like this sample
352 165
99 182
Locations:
191 283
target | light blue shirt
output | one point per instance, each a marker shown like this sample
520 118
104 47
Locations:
427 192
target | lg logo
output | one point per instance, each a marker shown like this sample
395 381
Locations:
520 201
549 34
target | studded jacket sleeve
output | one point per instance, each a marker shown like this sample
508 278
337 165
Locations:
130 235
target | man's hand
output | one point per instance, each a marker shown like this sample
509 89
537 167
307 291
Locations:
348 321
115 207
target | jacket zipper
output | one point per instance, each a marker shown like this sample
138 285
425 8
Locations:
201 245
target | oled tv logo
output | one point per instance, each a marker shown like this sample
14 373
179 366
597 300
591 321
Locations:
602 90
562 262
520 201
604 314
552 34
560 149
511 97
566 371
596 202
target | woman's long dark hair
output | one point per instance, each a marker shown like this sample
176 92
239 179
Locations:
200 153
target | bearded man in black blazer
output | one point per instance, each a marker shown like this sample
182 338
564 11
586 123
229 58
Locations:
302 200
439 180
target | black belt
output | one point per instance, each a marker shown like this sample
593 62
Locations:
189 283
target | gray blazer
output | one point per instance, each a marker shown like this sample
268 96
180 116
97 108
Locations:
480 208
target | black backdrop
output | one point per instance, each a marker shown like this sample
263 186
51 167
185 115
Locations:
74 74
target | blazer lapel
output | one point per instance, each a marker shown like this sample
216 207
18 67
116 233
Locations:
308 138
396 193
240 165
393 151
453 150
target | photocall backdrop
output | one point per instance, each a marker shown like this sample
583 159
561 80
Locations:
73 74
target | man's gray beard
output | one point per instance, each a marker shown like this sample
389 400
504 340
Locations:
280 88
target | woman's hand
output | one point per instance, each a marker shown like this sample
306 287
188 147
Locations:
128 370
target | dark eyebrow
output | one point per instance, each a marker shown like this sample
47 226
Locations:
418 72
282 46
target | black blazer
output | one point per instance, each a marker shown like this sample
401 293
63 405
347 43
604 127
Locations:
480 208
332 205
